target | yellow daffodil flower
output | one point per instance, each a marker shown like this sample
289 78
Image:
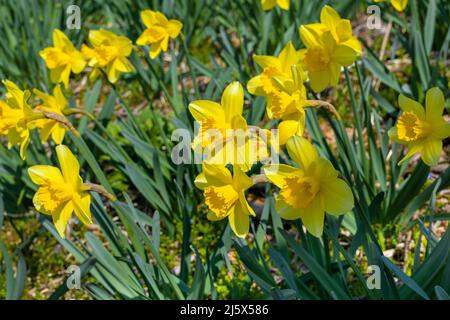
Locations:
225 197
341 29
288 104
159 30
399 5
16 116
263 84
422 130
310 190
269 4
61 191
221 125
323 58
109 53
62 59
55 103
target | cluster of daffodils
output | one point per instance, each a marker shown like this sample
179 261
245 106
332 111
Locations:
108 52
399 5
62 191
312 187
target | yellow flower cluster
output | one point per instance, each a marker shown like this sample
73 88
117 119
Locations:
62 191
312 188
108 52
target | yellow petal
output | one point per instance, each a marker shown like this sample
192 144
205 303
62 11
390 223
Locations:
313 218
211 216
435 103
58 133
319 80
174 28
285 211
60 40
70 167
288 57
329 17
399 5
267 61
239 220
344 55
277 173
409 105
287 129
301 151
216 175
337 196
256 87
240 180
268 4
61 218
233 100
309 36
431 151
284 4
203 110
41 174
148 18
82 206
413 148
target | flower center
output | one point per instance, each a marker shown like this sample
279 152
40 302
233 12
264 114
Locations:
299 192
317 59
105 54
220 199
54 194
156 34
281 104
266 79
410 127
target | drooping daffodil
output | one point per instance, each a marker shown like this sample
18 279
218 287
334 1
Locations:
324 57
224 136
422 130
62 59
225 196
341 29
56 104
61 190
109 53
309 190
16 117
159 31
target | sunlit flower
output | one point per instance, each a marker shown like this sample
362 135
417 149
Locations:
341 29
263 84
269 4
159 31
399 5
223 131
310 190
288 103
225 197
61 191
109 53
15 117
422 130
55 103
63 58
323 58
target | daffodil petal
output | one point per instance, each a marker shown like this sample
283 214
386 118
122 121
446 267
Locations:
61 218
239 221
435 103
337 196
285 211
233 100
41 174
431 151
301 151
70 167
277 173
409 105
313 218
